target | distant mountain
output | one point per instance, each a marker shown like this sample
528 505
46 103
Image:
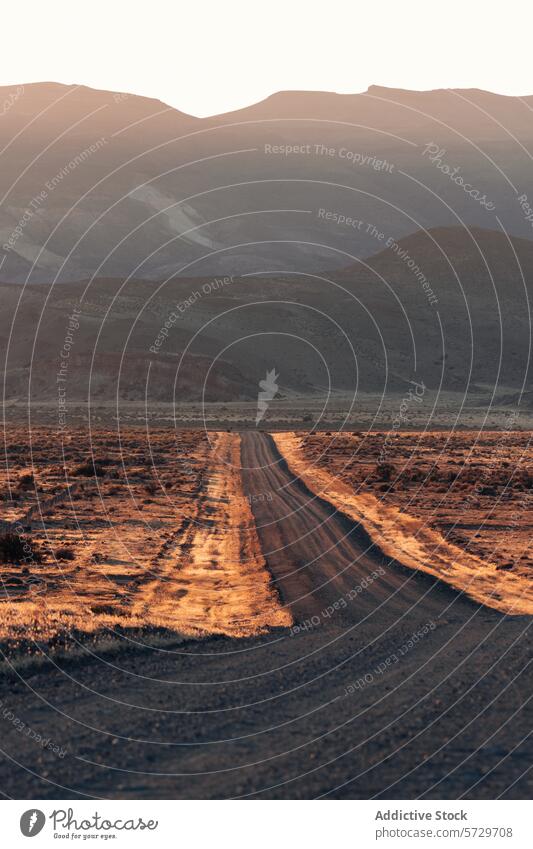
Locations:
449 308
110 184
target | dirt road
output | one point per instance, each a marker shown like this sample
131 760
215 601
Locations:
389 684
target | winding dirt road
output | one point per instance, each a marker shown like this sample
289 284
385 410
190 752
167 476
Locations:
316 555
388 684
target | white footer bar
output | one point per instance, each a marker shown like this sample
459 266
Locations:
261 824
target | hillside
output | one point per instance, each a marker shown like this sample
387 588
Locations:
110 184
370 327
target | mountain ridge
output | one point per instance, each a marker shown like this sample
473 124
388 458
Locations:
373 90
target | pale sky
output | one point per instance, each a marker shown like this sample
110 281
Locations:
211 56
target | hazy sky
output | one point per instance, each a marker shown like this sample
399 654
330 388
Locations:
209 56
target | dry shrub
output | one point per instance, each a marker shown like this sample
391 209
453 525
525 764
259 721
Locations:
26 481
89 470
15 548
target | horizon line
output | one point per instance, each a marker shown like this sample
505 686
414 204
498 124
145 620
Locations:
290 91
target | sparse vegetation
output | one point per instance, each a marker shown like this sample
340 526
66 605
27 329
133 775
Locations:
26 481
92 543
450 481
